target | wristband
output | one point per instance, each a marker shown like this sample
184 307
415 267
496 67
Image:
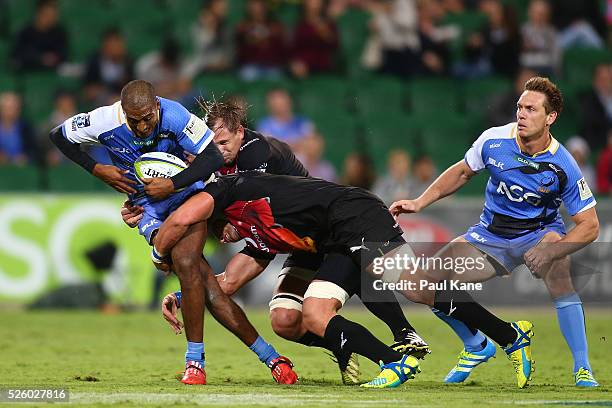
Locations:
156 256
179 297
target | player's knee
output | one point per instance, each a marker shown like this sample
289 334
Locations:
286 323
187 263
321 302
187 268
558 278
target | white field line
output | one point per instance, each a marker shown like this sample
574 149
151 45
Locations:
143 398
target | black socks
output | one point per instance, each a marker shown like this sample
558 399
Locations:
343 336
460 305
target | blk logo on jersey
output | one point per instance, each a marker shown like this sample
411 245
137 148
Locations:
498 164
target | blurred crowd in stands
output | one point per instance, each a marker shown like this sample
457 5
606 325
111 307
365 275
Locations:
402 38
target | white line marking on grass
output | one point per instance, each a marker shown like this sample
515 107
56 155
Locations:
591 403
143 398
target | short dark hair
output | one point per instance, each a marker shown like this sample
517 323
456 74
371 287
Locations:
554 99
137 93
231 110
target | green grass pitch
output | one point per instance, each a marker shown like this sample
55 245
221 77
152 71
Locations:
132 360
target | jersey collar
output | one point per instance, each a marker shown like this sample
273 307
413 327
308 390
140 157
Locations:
552 147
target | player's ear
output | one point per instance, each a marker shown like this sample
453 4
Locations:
551 117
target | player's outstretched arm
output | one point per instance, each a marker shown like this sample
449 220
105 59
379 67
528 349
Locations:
446 184
196 209
111 175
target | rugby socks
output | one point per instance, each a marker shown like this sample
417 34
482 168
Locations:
312 340
264 351
344 336
473 340
392 314
195 352
460 305
571 321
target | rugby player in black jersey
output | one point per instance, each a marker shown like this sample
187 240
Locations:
246 150
353 228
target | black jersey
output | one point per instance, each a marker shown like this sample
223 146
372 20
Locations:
285 214
265 154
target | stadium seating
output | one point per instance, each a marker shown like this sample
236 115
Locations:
360 111
476 94
217 86
19 12
580 62
337 95
426 96
381 96
19 178
71 178
255 95
342 135
38 92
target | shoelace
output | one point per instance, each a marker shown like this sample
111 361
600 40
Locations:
584 375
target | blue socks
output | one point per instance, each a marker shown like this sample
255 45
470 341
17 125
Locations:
264 351
195 352
472 342
571 322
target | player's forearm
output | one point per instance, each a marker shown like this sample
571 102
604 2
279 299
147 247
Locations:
446 184
240 270
197 208
71 150
205 164
577 238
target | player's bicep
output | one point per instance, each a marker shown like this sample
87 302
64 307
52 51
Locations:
465 169
577 195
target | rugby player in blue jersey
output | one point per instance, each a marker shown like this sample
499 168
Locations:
531 174
139 123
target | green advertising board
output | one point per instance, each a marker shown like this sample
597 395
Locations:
43 240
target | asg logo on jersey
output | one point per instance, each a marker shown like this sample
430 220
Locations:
516 194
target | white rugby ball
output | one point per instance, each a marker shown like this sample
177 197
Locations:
157 164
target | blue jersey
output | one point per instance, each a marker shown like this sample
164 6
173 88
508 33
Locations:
176 132
524 192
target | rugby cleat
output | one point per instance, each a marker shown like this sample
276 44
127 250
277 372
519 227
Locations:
194 374
349 368
584 378
282 371
395 374
411 344
469 360
519 352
